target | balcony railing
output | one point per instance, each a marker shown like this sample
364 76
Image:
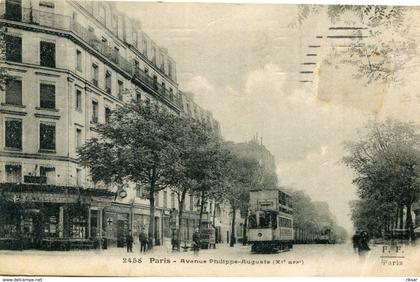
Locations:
52 20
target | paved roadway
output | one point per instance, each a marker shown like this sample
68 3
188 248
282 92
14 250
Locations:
302 260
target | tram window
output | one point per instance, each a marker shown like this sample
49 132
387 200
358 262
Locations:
273 220
252 221
264 220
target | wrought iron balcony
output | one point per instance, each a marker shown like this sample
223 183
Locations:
66 23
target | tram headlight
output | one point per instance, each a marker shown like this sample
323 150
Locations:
259 234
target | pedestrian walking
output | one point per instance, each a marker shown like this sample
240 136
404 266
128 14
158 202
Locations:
143 241
129 241
363 243
355 240
196 241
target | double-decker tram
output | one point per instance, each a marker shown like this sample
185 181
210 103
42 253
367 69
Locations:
270 221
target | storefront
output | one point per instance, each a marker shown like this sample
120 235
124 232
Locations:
51 217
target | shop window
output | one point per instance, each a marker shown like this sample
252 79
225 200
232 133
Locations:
47 136
94 111
47 96
13 173
78 100
79 60
47 54
49 173
50 226
13 134
78 227
13 48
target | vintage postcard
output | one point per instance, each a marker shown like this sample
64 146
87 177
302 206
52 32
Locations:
204 139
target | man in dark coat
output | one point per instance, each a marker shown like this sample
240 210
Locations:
196 241
363 243
355 240
143 241
129 242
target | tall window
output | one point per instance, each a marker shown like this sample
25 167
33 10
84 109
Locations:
47 136
47 95
107 114
13 173
49 173
78 138
94 111
108 82
191 202
95 75
172 200
13 48
79 60
13 134
138 98
13 92
120 90
165 199
78 100
78 177
47 54
116 54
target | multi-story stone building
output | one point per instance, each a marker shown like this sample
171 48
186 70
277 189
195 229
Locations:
68 65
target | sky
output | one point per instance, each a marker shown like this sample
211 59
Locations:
242 62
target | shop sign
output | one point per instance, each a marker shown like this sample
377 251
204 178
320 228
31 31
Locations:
39 197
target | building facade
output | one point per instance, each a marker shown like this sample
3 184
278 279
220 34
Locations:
69 63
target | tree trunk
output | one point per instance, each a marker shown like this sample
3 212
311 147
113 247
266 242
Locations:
201 210
244 235
409 223
181 200
232 233
152 214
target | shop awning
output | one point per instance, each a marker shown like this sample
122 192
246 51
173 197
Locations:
24 193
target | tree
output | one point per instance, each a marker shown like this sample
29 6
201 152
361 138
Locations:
209 173
137 145
197 146
241 176
386 160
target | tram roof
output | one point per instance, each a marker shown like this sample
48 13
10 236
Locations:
270 189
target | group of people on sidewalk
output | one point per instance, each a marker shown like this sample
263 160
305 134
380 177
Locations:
360 241
145 241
